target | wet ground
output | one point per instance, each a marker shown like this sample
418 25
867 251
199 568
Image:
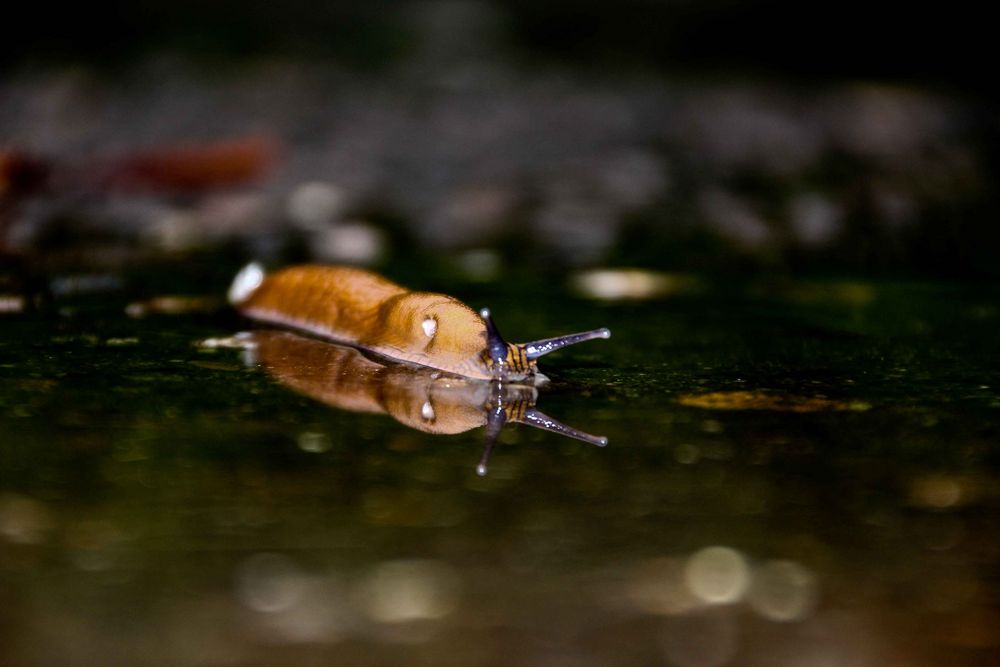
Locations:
798 473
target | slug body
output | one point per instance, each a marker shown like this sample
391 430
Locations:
362 309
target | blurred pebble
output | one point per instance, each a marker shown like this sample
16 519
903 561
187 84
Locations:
815 220
23 520
315 206
314 443
213 218
888 123
712 426
939 492
734 218
239 341
401 591
686 454
469 215
10 304
783 590
122 342
728 127
629 284
173 305
897 207
353 243
177 231
319 614
717 575
580 229
269 583
633 178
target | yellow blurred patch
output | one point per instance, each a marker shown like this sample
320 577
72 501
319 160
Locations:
760 400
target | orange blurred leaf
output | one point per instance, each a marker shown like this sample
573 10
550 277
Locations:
195 167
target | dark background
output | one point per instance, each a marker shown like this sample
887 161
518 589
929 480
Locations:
946 45
802 51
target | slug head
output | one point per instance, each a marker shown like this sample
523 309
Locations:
441 332
503 360
517 361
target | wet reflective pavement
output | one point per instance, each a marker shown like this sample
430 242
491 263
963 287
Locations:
796 474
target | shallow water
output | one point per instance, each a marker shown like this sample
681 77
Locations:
797 474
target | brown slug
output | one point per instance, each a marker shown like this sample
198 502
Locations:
420 398
359 308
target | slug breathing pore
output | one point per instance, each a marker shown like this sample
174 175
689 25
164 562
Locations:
360 308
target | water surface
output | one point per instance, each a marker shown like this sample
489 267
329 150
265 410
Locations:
797 474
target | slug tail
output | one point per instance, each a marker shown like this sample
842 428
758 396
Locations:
247 280
539 348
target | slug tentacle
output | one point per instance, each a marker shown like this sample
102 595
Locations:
542 347
362 309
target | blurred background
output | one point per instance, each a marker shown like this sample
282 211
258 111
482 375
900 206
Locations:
691 136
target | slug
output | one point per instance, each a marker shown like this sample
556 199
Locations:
362 309
420 398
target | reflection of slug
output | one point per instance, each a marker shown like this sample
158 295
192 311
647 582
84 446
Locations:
359 308
421 398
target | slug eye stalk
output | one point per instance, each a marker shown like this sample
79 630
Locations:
495 344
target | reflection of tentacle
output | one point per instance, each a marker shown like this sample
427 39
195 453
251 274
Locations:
540 420
421 398
495 420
